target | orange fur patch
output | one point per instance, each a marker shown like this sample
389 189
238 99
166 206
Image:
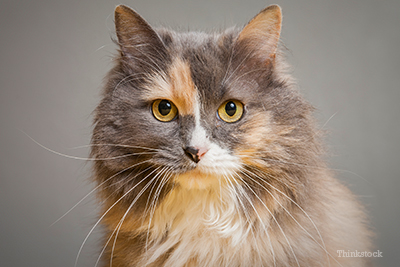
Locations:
261 137
257 136
176 85
196 179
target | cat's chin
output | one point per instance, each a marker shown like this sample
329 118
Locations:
200 179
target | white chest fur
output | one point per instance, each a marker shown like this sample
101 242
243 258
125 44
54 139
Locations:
204 226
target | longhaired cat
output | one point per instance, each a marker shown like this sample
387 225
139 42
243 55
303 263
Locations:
207 155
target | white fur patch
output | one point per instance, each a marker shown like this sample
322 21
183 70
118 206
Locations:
216 163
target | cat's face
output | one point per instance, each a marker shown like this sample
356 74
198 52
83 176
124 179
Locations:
197 109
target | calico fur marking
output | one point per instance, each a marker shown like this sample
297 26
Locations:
176 85
256 194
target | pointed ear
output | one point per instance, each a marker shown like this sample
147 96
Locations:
137 39
261 34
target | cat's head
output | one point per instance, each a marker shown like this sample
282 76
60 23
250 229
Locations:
199 110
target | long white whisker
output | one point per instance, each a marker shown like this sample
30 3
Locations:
105 213
153 205
127 79
129 208
155 68
297 205
108 241
246 73
101 253
97 187
238 66
82 158
323 126
248 218
149 196
117 145
124 183
308 166
229 65
316 228
276 221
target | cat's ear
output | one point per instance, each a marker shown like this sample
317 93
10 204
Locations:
260 37
137 39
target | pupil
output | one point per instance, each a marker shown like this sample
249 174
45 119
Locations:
164 107
230 108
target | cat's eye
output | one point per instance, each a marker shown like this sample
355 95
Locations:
164 110
230 111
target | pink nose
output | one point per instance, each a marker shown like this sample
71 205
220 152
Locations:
195 154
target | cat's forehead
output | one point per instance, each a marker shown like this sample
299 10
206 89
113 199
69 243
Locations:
180 43
207 54
195 72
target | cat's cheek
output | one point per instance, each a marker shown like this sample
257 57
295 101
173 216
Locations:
254 136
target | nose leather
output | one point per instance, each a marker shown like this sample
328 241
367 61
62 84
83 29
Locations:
192 153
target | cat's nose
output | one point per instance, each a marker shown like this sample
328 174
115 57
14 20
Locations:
194 153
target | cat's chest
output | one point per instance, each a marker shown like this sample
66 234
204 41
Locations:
195 213
197 224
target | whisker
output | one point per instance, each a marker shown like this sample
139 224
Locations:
229 65
127 79
238 66
251 155
164 181
112 234
82 158
127 179
246 73
155 68
316 228
105 213
96 188
117 145
149 196
248 219
165 169
263 226
312 222
323 126
129 208
276 221
137 174
101 47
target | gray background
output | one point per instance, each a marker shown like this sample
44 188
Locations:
54 54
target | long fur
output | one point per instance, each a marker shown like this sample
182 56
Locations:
260 196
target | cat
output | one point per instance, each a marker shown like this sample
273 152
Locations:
207 155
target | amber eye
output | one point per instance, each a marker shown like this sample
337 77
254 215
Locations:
230 111
164 110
